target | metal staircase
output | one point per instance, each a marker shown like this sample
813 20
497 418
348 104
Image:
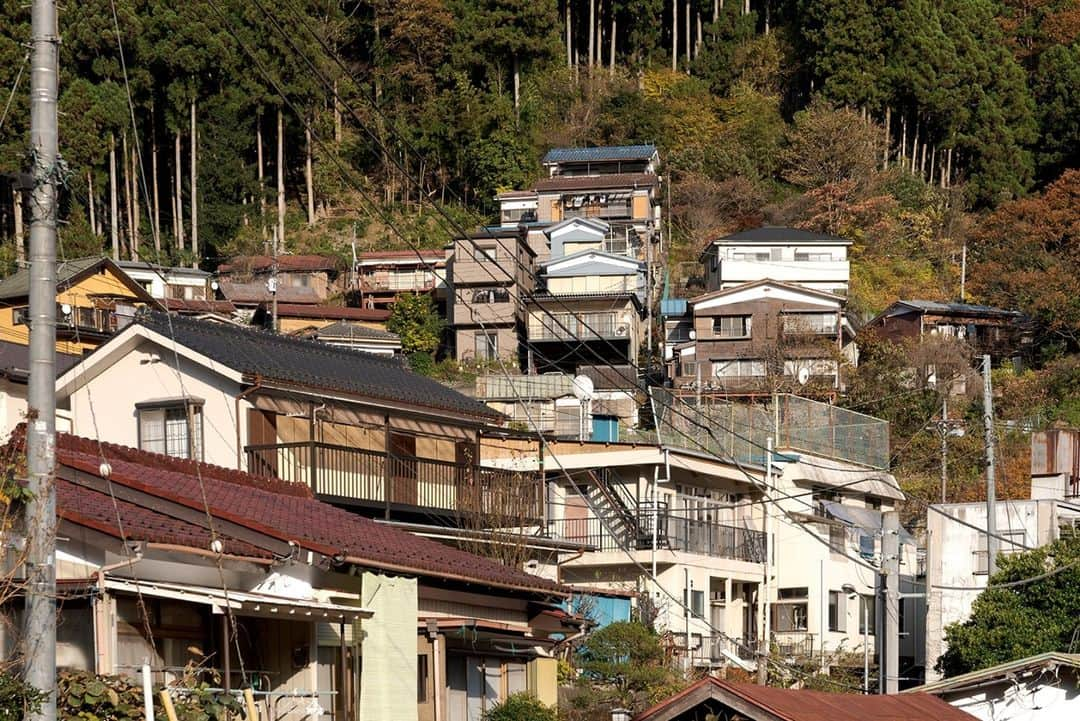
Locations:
613 505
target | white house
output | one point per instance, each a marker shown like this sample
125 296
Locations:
1038 688
956 555
172 283
790 255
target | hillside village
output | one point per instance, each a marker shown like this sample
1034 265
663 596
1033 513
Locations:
628 361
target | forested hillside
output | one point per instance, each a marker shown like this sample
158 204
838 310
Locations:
913 127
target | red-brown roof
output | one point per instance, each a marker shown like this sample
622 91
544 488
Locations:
256 292
183 305
596 182
426 254
272 508
786 704
285 263
330 312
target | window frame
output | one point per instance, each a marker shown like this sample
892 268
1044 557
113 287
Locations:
745 320
194 426
837 613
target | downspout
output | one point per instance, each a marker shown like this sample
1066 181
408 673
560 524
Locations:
240 396
560 564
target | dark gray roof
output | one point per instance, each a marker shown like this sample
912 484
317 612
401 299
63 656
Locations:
933 306
586 155
17 285
311 364
344 329
15 361
776 234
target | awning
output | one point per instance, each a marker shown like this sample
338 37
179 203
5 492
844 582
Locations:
866 519
846 477
243 603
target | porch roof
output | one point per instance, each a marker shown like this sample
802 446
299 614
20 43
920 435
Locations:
159 493
244 603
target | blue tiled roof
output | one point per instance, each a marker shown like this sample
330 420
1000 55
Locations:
585 155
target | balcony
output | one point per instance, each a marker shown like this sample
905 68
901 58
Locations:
572 328
793 644
675 532
404 484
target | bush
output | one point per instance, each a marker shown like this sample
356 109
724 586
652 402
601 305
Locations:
521 707
17 698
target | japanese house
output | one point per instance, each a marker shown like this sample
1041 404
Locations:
383 275
319 274
789 255
95 299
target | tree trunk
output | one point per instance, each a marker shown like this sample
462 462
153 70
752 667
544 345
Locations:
888 137
309 181
180 242
517 85
922 161
90 202
946 168
611 54
903 142
592 31
933 159
17 211
569 39
194 190
337 115
674 35
136 214
599 33
697 40
156 225
716 5
688 42
768 16
746 7
259 171
114 211
127 185
279 238
915 148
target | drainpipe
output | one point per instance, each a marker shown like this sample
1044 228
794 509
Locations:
240 396
437 666
558 566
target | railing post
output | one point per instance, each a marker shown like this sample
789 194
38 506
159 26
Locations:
388 473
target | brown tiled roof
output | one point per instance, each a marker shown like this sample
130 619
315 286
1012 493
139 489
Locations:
596 182
330 312
427 254
285 263
261 506
803 705
183 305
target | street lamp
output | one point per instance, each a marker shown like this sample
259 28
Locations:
865 617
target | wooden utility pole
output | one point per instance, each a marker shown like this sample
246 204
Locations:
40 606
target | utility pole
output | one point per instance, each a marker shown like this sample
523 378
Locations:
944 444
40 621
991 487
889 641
766 610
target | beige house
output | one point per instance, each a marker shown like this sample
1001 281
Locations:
491 273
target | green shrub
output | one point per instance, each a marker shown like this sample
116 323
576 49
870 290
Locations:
17 698
521 707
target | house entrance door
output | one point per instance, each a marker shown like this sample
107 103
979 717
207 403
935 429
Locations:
403 469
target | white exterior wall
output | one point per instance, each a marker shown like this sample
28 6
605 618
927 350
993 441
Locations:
951 559
1051 697
12 406
149 372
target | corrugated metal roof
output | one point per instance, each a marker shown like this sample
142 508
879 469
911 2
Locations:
605 153
999 672
803 705
933 306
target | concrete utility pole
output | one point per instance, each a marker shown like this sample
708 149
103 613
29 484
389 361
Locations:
944 445
40 620
889 663
991 485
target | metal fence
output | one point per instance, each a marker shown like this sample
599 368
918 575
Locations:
741 430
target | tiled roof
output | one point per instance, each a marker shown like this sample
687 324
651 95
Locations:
803 705
376 255
930 306
605 153
777 234
1004 671
17 285
330 312
311 364
248 501
255 292
183 305
285 263
343 329
15 360
596 182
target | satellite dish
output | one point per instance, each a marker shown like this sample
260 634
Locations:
804 375
583 388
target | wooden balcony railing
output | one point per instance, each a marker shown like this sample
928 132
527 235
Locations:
402 483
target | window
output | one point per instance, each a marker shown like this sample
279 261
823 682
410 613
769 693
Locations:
491 295
790 612
482 254
739 368
173 428
486 346
820 323
837 537
697 603
1004 548
731 326
20 316
873 502
752 257
867 614
867 545
837 611
421 677
814 257
688 368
